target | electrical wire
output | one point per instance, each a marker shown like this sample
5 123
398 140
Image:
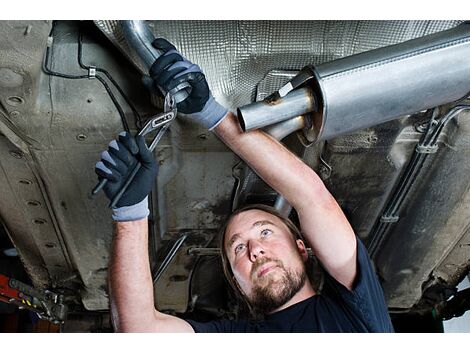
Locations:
49 71
110 78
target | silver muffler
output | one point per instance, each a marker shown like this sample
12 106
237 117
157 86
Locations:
373 87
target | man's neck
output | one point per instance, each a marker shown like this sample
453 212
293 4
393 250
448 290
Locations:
305 292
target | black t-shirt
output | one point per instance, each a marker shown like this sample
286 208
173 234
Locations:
336 309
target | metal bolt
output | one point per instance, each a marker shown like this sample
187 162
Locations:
81 137
421 128
15 114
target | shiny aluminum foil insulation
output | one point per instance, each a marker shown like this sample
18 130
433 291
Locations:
237 55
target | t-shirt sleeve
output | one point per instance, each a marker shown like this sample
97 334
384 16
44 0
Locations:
366 299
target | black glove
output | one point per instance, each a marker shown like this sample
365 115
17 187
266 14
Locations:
171 69
116 164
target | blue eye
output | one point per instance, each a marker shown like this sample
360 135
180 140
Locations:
266 232
239 248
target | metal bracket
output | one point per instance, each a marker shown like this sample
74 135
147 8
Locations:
388 218
91 72
301 78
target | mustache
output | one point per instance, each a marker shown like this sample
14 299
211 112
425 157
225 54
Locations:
262 261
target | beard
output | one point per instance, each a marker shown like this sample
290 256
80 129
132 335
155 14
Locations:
271 293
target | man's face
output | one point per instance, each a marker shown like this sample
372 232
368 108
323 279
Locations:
267 263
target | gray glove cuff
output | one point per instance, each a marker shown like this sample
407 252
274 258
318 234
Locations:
211 114
133 212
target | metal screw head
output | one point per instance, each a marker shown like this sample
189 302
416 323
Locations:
15 114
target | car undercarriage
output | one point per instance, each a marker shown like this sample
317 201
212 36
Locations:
67 88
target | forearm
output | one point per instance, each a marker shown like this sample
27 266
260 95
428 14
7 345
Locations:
131 288
274 163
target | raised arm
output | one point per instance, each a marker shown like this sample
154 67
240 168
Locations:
322 221
130 280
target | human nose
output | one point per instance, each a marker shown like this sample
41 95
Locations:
256 250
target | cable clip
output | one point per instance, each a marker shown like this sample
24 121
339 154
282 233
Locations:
426 149
91 72
389 218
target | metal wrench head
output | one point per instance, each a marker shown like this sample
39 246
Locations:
157 122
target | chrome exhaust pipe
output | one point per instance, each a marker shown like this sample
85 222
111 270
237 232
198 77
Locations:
140 38
275 109
377 86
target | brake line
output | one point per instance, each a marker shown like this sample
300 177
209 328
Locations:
427 145
49 71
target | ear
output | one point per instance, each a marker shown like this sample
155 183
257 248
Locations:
302 249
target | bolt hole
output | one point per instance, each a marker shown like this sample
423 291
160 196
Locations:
25 182
16 154
33 203
81 137
89 100
202 136
39 221
50 245
14 100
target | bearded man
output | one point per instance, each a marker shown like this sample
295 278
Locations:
264 255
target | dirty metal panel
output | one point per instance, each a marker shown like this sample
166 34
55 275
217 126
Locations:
434 220
62 125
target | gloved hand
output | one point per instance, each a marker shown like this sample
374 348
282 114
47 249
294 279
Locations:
116 164
172 69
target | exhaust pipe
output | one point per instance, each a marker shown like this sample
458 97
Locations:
275 109
140 38
377 86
